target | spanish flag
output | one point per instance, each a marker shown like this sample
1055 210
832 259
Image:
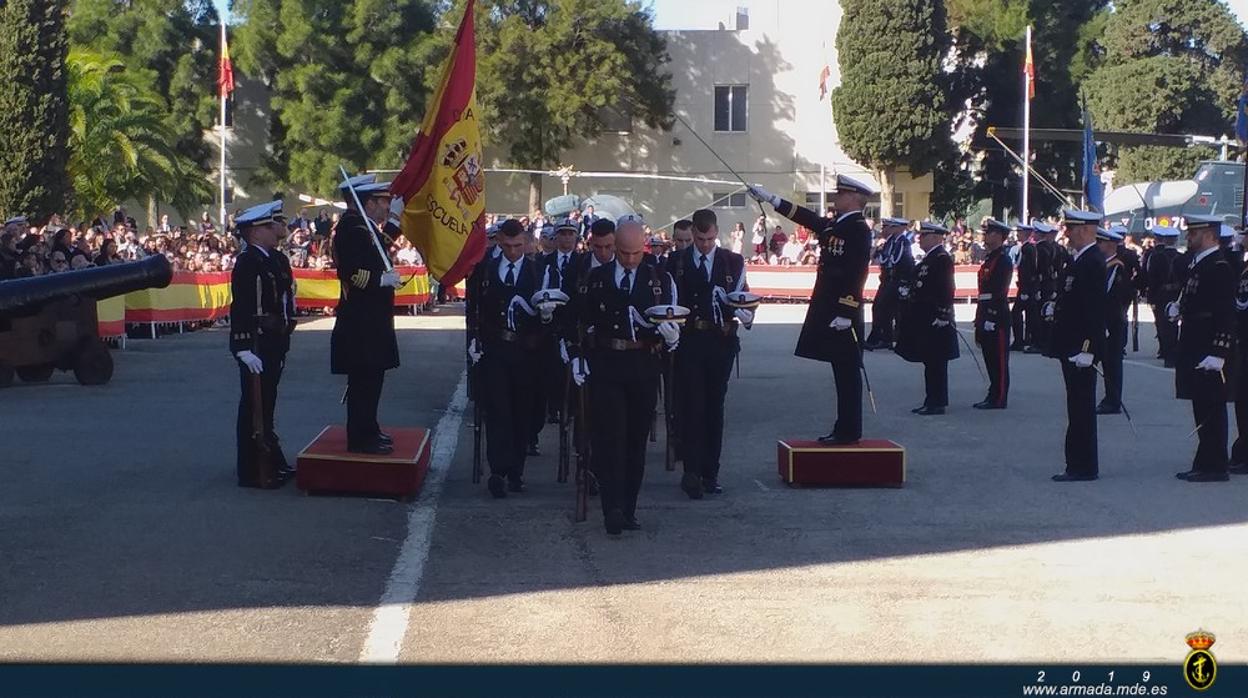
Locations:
225 68
1029 69
443 183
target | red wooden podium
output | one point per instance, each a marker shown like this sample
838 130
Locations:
326 466
868 463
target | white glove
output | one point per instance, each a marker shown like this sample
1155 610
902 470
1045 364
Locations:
841 324
547 311
903 292
745 316
940 323
563 352
1048 309
671 334
760 194
1082 360
580 371
1211 363
990 326
390 279
1024 297
475 352
1172 311
251 361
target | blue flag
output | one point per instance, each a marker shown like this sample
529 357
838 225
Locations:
1093 189
1241 118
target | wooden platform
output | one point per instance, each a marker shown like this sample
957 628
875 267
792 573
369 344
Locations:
326 467
868 463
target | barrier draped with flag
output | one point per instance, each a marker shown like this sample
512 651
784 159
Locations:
443 184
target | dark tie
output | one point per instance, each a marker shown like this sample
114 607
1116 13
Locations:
563 265
626 284
702 266
511 274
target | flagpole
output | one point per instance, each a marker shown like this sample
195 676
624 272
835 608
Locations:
221 95
1027 78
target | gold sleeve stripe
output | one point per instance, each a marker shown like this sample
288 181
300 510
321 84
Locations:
849 301
360 278
1087 343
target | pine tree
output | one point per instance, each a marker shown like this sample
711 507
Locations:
34 108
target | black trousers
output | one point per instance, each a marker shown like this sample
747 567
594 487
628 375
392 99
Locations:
1239 450
623 387
848 378
1210 415
1022 319
1167 332
1112 363
1041 330
703 367
509 379
996 350
363 395
936 383
883 314
1081 458
269 380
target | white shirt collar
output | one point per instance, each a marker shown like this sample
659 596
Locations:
502 267
632 279
1204 254
1084 249
594 263
843 216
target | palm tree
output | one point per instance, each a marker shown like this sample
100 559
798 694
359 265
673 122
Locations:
120 145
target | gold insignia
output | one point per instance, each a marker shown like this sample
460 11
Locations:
1086 344
848 300
360 278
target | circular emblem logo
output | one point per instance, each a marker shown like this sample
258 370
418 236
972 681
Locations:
1200 669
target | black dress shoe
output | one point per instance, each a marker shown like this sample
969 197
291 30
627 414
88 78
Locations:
630 524
497 486
926 411
712 487
834 440
376 448
1108 409
1033 350
1206 476
988 405
1017 346
385 438
1185 474
515 485
613 520
1238 469
1073 477
692 485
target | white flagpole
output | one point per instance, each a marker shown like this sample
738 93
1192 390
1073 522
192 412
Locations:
221 91
1025 218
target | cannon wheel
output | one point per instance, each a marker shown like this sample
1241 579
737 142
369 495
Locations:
94 364
35 374
6 375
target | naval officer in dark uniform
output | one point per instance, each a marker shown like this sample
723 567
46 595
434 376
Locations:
834 318
1078 341
704 274
1049 265
1120 291
1026 311
896 263
363 345
262 318
621 364
992 314
1204 354
1161 283
926 333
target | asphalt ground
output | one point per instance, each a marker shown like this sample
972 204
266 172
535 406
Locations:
124 537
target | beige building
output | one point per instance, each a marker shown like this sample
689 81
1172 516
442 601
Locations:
748 83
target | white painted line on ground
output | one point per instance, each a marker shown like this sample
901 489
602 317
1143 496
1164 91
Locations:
389 622
761 486
1144 365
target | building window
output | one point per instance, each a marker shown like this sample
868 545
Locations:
899 204
616 119
812 201
730 108
725 200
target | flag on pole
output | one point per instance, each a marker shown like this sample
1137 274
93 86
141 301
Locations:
443 183
1093 188
225 68
1241 116
824 75
1029 69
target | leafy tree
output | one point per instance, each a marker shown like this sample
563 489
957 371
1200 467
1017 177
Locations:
122 147
891 109
1169 67
346 78
33 107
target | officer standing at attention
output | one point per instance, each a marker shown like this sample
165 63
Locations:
625 362
1026 312
992 314
1239 450
704 275
504 338
1163 288
363 345
927 333
1048 267
1120 291
896 270
1233 253
1206 344
834 318
262 318
1078 340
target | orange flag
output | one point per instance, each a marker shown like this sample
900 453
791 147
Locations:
1029 68
443 183
225 68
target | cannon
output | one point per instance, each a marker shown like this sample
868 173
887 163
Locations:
49 322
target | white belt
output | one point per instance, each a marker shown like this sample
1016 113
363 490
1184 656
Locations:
985 296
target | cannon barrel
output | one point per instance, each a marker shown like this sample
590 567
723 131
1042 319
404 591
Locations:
97 282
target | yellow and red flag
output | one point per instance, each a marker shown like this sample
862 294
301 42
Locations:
443 183
225 68
1029 69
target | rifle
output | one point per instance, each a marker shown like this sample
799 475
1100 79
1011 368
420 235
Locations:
564 450
474 389
266 473
669 458
581 509
1135 323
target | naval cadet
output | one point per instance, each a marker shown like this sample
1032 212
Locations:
262 319
992 314
682 235
1025 315
834 317
621 366
363 345
1239 450
555 267
926 333
896 263
1206 345
1078 341
1120 292
1231 250
1048 268
1162 288
705 274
